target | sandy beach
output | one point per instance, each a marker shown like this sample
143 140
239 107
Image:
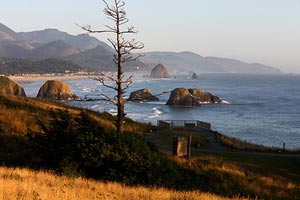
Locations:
34 78
45 77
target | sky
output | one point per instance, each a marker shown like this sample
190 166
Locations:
263 31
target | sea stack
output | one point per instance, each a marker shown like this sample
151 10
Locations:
191 97
9 87
194 76
56 90
160 71
142 95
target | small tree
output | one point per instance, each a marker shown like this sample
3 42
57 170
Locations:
123 54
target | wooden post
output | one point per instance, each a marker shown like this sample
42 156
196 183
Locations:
182 146
175 145
189 143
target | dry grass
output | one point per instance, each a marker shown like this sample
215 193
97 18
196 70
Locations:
20 116
36 185
18 122
247 146
271 185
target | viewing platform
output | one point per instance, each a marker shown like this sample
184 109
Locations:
170 124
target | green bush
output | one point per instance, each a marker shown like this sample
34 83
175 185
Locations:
80 146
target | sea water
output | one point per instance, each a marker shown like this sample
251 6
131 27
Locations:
262 109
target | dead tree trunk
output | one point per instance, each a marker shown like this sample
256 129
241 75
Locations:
123 53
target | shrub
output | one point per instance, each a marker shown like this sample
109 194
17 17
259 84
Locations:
80 146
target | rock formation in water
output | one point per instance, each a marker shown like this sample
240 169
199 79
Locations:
56 90
194 76
191 97
142 95
160 71
9 87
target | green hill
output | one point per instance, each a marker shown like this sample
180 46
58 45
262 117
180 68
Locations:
15 66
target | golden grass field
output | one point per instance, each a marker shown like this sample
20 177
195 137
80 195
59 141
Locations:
24 184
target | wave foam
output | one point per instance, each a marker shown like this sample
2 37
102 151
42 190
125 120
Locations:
156 102
156 113
225 102
113 111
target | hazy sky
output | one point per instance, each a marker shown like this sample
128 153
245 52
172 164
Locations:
264 31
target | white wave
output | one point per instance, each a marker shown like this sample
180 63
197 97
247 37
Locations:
86 89
225 102
204 102
138 117
156 102
113 111
97 108
157 111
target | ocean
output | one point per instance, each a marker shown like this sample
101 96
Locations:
261 109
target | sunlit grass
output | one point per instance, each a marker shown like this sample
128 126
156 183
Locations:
35 185
21 116
257 173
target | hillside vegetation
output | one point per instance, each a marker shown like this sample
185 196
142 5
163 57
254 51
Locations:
46 135
15 66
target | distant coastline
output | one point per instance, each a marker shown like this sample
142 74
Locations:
44 77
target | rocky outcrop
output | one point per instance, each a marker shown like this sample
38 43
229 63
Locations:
194 76
9 87
160 71
142 95
56 90
191 97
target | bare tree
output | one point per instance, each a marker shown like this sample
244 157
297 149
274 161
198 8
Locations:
123 53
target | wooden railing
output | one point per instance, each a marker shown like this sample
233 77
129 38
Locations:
169 124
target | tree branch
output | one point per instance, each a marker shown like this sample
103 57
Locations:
110 99
90 30
103 82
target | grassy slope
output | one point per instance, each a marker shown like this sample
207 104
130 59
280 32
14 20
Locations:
20 116
276 177
262 174
27 184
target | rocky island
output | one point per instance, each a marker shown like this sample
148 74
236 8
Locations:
160 71
56 90
9 87
191 97
142 95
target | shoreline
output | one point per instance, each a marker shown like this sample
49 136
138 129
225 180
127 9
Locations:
34 78
45 77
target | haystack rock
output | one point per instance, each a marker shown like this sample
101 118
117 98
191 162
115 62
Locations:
194 76
142 95
9 87
160 71
56 90
191 97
